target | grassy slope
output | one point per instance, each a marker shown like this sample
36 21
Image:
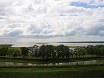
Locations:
68 74
88 57
75 72
74 68
87 71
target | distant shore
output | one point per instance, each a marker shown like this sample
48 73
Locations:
83 42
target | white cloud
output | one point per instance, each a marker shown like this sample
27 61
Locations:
50 17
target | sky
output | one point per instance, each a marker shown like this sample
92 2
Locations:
30 18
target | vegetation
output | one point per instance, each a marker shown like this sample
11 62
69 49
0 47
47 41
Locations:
75 72
50 52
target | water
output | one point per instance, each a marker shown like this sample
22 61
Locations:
77 44
3 63
27 42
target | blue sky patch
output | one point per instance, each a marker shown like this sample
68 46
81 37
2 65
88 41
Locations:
63 14
85 5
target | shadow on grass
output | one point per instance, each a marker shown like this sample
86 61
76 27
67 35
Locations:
66 74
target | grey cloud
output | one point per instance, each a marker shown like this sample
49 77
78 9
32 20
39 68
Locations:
96 30
49 17
14 33
34 29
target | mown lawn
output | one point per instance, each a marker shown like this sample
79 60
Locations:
32 60
65 74
78 71
53 69
71 72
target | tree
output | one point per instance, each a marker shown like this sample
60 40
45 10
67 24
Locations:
34 51
62 51
90 50
42 51
14 52
3 50
67 52
50 51
24 51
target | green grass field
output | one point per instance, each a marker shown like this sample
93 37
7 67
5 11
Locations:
77 71
74 58
74 74
53 69
71 72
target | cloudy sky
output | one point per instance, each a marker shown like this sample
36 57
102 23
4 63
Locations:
51 17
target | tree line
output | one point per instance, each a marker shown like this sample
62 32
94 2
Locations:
52 52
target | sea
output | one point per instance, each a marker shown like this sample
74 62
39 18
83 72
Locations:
54 40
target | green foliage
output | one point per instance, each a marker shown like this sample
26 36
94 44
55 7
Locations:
97 50
14 52
24 51
3 50
51 52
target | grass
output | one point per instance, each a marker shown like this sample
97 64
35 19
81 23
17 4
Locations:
53 69
32 60
80 71
75 72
